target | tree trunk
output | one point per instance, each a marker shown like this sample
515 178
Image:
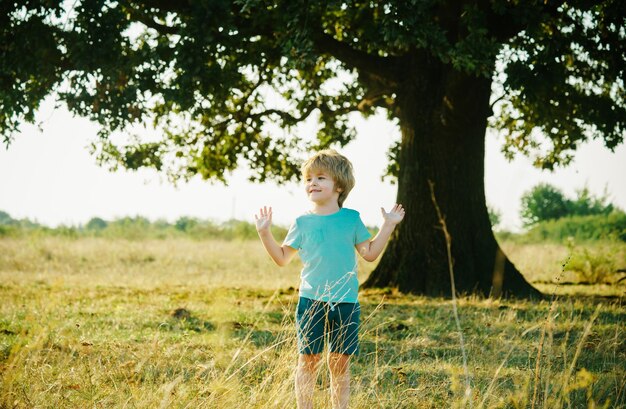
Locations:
443 118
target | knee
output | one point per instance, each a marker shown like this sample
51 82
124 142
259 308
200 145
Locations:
309 363
338 364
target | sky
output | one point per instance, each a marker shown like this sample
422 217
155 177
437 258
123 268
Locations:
48 175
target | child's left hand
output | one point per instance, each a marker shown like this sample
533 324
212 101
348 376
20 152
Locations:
395 215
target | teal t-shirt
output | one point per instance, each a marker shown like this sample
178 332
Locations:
326 244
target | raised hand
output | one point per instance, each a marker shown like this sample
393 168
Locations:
395 215
264 219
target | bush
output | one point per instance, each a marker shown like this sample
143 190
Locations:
7 230
139 228
580 228
186 224
13 227
545 202
495 216
5 218
594 266
97 224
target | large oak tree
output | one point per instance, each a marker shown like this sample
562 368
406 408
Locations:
209 75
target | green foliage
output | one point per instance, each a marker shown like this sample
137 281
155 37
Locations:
5 218
186 224
14 227
563 81
212 74
96 224
138 228
545 202
579 228
585 204
495 216
541 203
241 229
594 266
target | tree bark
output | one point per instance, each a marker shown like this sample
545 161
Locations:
443 119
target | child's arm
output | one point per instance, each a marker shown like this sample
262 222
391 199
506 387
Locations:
371 249
281 255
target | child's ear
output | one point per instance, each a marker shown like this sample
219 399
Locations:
339 189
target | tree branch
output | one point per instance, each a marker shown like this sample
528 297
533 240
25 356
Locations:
377 100
175 6
138 15
384 69
504 27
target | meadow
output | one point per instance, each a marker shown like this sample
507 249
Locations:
182 323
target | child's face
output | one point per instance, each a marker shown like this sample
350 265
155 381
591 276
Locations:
320 187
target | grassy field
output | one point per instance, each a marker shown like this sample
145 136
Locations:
209 324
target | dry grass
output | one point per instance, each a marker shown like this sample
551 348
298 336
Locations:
94 323
548 266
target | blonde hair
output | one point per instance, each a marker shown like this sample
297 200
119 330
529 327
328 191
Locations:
337 166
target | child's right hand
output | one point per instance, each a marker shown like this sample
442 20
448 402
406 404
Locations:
264 219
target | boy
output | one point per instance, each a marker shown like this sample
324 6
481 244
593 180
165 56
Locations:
326 238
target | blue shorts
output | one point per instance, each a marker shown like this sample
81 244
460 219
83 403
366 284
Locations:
318 320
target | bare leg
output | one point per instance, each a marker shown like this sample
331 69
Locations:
339 365
306 375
